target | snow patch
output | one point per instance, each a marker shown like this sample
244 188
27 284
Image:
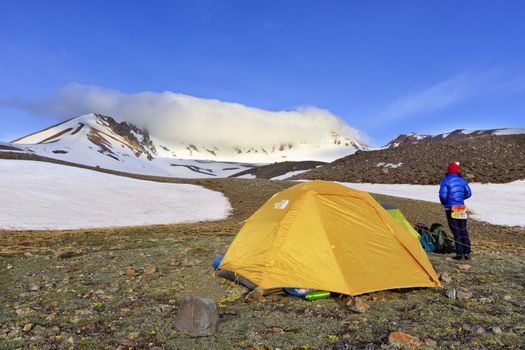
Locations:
500 204
509 131
289 174
41 196
247 176
388 165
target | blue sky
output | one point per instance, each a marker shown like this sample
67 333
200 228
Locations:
385 67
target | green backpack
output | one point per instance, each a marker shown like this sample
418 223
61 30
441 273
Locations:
442 241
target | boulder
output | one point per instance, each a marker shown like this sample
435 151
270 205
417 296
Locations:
197 317
451 293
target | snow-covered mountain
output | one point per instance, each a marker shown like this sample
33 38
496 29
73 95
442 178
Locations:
458 134
98 140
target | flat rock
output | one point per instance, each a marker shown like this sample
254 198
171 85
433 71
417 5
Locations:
151 270
400 340
197 317
131 272
463 293
464 267
497 330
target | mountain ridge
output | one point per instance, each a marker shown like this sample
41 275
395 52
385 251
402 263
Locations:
458 134
98 140
489 158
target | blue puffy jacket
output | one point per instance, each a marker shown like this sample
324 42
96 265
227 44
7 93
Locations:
453 191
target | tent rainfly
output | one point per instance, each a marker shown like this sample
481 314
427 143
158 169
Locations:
325 236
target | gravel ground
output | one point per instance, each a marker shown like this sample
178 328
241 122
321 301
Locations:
119 288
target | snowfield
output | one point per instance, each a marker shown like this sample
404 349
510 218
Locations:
289 174
500 204
38 196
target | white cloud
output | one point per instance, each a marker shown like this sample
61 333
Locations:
185 118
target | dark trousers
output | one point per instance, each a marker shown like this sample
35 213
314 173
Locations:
459 230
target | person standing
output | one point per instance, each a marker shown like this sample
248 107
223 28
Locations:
453 191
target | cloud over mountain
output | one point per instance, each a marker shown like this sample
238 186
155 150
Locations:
184 118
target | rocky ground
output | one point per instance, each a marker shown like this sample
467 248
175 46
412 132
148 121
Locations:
119 289
496 159
272 170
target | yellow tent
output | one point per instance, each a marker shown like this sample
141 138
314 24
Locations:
325 236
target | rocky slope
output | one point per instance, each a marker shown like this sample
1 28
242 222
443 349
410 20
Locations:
278 169
459 134
487 158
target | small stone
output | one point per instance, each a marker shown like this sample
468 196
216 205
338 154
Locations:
451 293
36 287
464 267
134 335
445 277
151 270
28 327
127 343
359 306
431 343
497 330
507 297
466 327
176 263
463 294
274 330
400 340
477 329
131 272
165 308
187 262
197 317
486 300
256 295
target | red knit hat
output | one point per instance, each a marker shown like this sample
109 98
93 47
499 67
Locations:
453 168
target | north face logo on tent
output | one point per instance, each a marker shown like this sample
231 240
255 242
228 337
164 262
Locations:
281 204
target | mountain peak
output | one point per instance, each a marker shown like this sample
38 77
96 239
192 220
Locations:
99 140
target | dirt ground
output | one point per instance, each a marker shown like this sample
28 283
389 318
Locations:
119 288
